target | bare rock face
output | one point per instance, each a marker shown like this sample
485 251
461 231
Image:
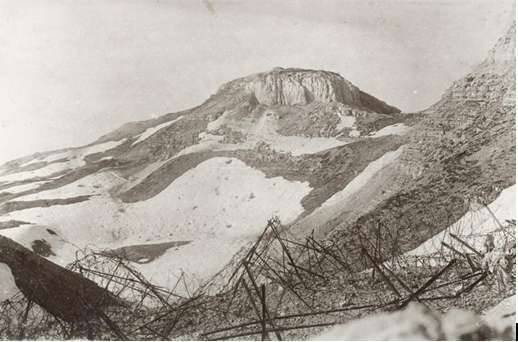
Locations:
490 79
301 87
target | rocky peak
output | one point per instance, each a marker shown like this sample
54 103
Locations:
491 81
293 86
502 55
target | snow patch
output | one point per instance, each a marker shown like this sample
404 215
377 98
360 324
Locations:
23 187
220 121
264 129
346 121
363 178
93 184
167 269
41 172
354 133
80 154
208 142
348 197
475 225
48 159
300 145
7 285
76 159
397 129
152 130
216 194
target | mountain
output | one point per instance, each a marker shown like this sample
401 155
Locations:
200 184
185 195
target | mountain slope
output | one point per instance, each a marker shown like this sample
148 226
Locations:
462 153
181 194
199 184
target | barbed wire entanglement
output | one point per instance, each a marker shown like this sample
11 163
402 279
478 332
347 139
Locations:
280 287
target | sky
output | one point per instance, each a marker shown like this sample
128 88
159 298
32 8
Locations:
73 70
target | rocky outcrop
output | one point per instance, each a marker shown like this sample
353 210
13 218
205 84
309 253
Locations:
486 83
300 87
61 292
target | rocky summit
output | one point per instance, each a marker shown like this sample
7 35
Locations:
293 86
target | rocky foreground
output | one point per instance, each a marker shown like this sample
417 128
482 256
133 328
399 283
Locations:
418 322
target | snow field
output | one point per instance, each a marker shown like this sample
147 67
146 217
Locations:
219 205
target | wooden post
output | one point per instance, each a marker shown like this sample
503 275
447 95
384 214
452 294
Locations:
250 252
263 319
256 288
288 254
399 280
21 333
465 244
148 285
494 216
428 283
470 262
251 298
286 285
383 275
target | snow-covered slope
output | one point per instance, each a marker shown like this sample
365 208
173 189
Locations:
475 225
217 206
368 188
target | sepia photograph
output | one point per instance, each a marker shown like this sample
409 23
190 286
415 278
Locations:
252 170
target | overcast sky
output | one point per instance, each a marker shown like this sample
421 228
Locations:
73 70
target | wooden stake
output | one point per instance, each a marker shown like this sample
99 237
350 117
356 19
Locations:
383 275
263 319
